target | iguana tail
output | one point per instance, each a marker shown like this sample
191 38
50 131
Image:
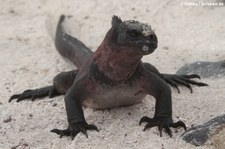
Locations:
70 47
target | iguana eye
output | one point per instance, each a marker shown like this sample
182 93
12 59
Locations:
133 33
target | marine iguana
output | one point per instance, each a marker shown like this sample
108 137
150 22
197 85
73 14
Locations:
112 76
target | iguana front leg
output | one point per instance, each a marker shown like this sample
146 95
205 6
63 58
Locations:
75 114
176 80
155 86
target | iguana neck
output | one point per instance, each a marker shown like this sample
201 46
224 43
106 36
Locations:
117 63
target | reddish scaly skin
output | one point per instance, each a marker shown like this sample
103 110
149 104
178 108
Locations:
117 64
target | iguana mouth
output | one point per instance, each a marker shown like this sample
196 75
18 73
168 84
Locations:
147 49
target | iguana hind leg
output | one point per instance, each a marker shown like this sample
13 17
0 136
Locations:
61 83
175 80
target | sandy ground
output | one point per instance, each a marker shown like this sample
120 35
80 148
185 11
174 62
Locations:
28 59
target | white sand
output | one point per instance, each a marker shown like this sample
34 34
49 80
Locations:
28 59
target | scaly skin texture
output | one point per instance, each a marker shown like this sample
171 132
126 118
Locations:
112 76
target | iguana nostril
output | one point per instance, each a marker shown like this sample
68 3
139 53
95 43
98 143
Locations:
153 37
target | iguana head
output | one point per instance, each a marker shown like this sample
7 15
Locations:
133 34
124 45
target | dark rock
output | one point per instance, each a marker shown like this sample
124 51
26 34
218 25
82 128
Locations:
204 69
198 135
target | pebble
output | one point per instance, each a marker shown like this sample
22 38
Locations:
9 119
